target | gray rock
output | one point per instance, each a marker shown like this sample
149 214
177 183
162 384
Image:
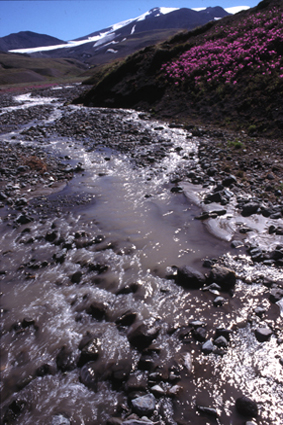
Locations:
221 341
223 276
207 347
144 405
250 208
263 334
275 294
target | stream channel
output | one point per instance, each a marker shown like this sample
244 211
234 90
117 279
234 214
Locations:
101 251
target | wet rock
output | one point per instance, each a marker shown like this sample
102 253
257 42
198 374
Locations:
60 420
275 294
76 277
144 405
60 256
127 319
141 334
223 332
89 351
128 289
221 341
65 360
97 310
223 276
157 391
14 410
190 278
263 334
43 370
210 411
237 244
24 219
137 381
246 407
89 376
200 334
207 347
218 301
51 236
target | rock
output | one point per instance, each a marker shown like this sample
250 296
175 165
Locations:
43 370
157 390
60 256
207 347
275 294
141 334
237 244
221 341
137 381
127 319
200 334
144 405
210 411
228 181
190 278
65 360
89 352
14 409
97 310
76 277
263 334
249 209
246 407
24 219
218 301
114 421
89 376
60 420
137 422
223 276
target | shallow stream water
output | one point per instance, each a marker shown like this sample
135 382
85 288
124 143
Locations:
121 229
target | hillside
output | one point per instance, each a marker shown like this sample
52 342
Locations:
26 39
226 73
20 69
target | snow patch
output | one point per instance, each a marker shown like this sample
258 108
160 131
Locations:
133 29
111 51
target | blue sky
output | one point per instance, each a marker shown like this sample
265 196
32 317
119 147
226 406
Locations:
71 19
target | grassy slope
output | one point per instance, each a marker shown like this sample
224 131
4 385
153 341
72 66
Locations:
254 103
19 69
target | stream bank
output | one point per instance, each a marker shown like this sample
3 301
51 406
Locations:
122 297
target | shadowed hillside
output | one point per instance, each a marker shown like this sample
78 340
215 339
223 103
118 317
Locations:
227 73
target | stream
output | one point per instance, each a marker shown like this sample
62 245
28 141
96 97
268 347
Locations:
100 257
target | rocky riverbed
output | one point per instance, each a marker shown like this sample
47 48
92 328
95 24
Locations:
141 268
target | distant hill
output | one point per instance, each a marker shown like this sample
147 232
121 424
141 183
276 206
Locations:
20 69
227 72
27 39
124 38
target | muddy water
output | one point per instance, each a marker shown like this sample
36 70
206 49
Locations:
119 227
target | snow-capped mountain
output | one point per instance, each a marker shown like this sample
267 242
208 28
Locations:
128 36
